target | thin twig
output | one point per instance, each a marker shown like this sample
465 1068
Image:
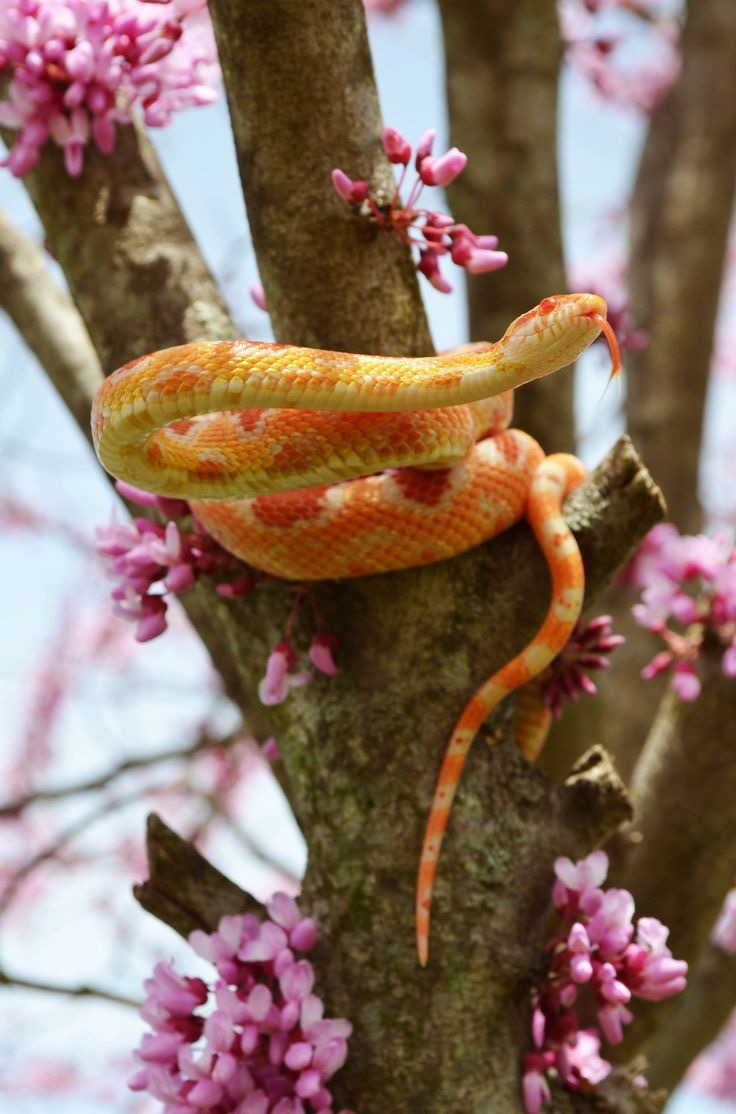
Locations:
140 762
81 991
70 833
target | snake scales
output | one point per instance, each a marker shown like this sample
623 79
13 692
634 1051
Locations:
315 465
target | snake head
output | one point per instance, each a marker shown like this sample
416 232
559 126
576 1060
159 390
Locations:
554 333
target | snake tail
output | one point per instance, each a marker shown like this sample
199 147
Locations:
555 478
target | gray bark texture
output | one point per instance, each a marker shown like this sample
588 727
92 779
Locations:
682 857
680 215
362 750
503 65
48 320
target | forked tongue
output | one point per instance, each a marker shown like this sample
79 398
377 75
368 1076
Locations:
613 347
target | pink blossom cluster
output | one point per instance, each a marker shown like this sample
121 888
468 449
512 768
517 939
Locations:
587 648
626 49
264 1047
434 234
598 950
78 68
147 561
688 585
279 679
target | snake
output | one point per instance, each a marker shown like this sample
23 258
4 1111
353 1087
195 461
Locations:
319 465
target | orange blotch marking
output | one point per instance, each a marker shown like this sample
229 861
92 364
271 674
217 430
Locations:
209 469
181 427
288 508
180 382
508 446
425 488
155 454
248 419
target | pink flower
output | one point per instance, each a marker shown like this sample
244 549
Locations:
587 648
685 681
257 296
265 1045
650 969
585 1061
613 65
275 685
443 170
320 653
147 561
535 1087
592 956
77 69
688 587
434 234
398 149
350 191
578 878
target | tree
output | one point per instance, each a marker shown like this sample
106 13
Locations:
359 751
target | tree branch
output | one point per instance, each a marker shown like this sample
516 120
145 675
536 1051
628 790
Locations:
133 269
332 279
183 889
503 65
48 321
683 859
82 991
681 210
140 762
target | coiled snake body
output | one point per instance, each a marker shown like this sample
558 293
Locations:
315 465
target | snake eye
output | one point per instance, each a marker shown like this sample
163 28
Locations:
547 305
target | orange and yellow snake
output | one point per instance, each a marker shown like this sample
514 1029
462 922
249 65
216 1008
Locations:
314 465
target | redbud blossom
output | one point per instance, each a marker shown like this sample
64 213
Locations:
434 234
277 680
688 585
587 648
351 191
148 561
398 149
444 170
76 69
255 1041
320 653
257 296
599 955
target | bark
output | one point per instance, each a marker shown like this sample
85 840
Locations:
680 215
302 101
133 269
48 321
184 890
682 856
502 73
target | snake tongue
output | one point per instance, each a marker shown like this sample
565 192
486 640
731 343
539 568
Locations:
613 346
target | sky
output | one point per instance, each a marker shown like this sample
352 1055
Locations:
47 462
